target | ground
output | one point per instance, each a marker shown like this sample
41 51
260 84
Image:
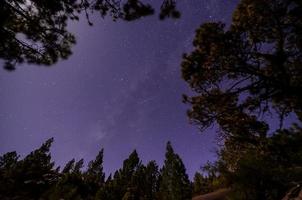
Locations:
217 195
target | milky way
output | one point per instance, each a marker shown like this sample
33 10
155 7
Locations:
120 90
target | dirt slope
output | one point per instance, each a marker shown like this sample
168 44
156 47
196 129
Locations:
217 195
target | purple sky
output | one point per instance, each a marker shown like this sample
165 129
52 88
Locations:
120 90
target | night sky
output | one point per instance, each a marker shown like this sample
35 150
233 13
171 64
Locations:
120 90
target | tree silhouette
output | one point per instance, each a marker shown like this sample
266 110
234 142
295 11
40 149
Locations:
252 67
109 191
8 164
201 184
168 9
34 177
266 170
123 184
240 73
69 166
30 177
94 176
175 184
151 181
34 31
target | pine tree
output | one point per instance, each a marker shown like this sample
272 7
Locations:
8 164
108 191
43 25
124 180
94 176
247 69
199 184
30 177
71 185
69 166
151 181
175 184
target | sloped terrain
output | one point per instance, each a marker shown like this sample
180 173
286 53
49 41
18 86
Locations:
217 195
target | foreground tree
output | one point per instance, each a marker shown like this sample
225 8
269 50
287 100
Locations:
36 32
241 73
175 184
251 68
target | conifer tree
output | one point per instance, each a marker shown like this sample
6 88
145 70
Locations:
71 184
199 184
108 191
94 176
175 184
250 68
36 32
8 164
123 179
151 181
30 177
69 166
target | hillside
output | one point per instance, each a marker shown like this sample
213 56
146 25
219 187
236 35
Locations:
217 195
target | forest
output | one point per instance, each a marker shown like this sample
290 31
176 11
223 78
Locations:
37 177
239 76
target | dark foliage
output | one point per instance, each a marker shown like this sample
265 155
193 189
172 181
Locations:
168 9
34 177
175 184
239 74
28 178
265 170
35 31
251 68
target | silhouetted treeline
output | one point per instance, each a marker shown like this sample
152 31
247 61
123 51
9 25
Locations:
266 169
36 177
239 74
